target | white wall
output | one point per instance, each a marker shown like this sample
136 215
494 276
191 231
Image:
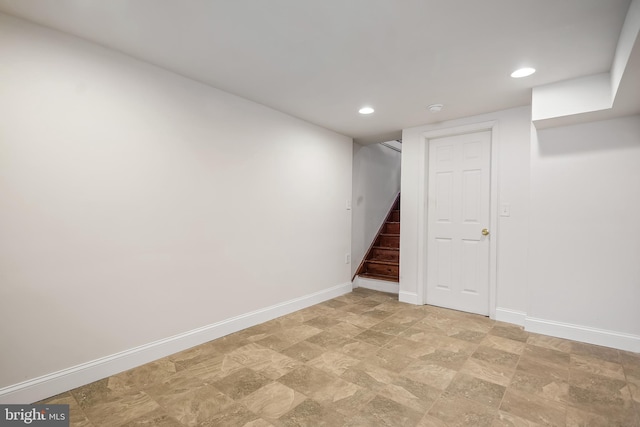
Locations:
567 257
585 233
136 204
511 140
376 183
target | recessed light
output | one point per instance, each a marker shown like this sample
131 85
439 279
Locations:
523 72
366 110
435 108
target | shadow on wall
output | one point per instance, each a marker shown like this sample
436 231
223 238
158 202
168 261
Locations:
561 141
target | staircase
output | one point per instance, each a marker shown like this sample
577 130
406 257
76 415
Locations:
382 261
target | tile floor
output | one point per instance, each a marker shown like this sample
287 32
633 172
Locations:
364 359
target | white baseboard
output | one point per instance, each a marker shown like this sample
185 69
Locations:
54 383
376 285
408 297
586 334
511 316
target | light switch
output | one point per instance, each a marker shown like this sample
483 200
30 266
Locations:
505 209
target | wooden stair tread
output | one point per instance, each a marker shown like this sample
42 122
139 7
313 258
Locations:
379 277
387 248
390 234
382 261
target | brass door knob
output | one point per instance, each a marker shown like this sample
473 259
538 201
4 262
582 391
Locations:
485 232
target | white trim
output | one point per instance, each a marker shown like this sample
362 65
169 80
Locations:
423 201
586 334
409 298
376 285
493 219
510 316
54 383
493 127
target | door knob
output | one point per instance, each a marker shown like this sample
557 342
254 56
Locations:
485 232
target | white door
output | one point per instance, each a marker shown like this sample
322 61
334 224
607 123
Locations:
458 214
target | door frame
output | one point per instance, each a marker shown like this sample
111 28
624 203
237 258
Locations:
491 126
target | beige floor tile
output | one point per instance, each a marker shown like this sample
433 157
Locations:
156 418
175 388
194 406
303 351
265 361
358 349
311 414
370 376
143 376
119 410
533 408
430 373
228 343
390 328
406 317
192 356
410 393
389 360
330 340
460 412
346 329
376 313
505 419
213 369
488 371
597 366
496 357
504 344
241 383
551 358
476 389
599 383
591 350
431 421
274 342
361 321
550 342
466 335
258 423
77 418
93 394
232 415
333 362
445 358
307 380
375 338
540 382
578 418
512 332
603 398
333 303
381 411
417 334
322 322
409 348
273 400
452 344
350 401
365 359
298 333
